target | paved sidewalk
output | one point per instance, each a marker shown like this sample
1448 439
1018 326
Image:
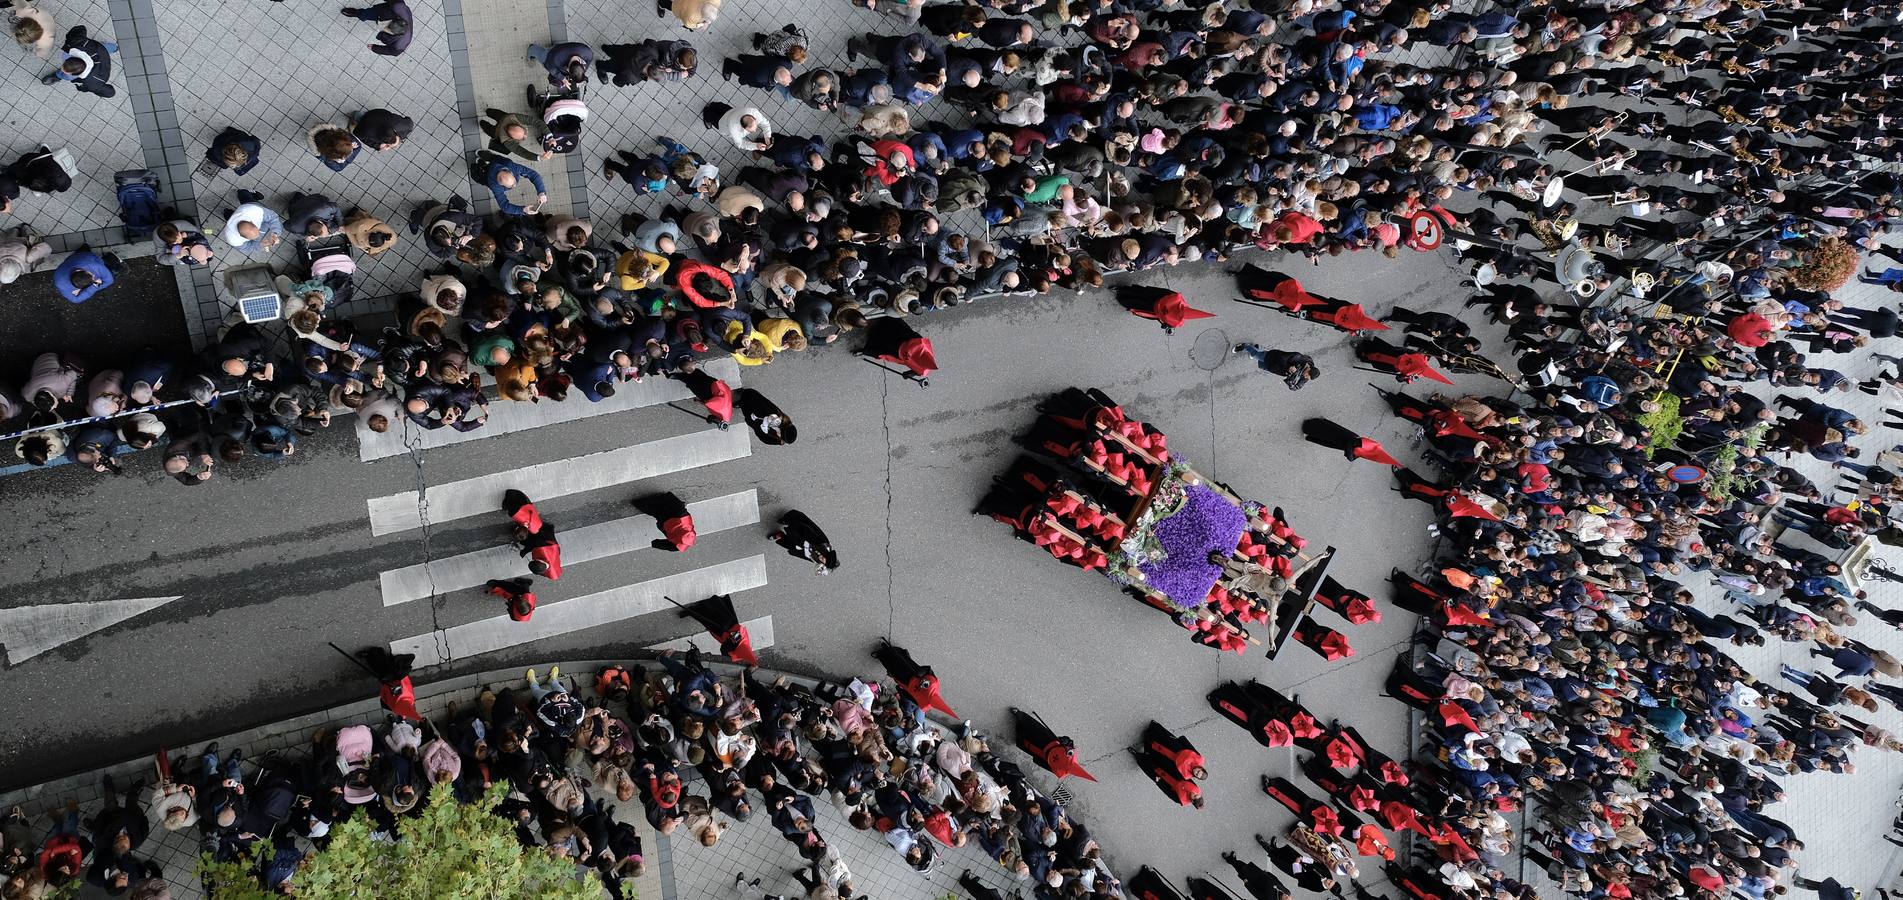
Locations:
693 873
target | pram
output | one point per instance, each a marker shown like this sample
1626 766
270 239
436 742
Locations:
139 206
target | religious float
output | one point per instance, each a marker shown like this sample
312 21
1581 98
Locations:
1105 493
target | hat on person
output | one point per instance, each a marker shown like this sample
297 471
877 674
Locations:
10 271
202 390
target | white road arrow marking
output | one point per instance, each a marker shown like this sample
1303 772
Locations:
28 631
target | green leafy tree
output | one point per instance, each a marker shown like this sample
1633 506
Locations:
453 851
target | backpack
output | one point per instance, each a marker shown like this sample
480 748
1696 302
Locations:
139 206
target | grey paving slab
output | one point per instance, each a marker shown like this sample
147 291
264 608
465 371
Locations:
499 33
99 131
317 68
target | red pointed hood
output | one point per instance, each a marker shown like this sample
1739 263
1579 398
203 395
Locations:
1415 365
1363 799
1353 318
1459 504
1291 294
1371 450
1360 611
1458 614
924 692
1062 761
528 517
1324 819
1278 734
680 531
1172 310
1452 713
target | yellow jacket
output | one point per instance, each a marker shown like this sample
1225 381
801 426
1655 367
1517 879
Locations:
775 330
625 265
740 341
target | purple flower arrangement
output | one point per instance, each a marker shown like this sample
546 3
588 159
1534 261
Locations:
1207 521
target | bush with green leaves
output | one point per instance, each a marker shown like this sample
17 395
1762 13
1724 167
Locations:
1663 425
451 851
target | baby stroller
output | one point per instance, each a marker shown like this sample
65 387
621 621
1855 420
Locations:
563 111
139 207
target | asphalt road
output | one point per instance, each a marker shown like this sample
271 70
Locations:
274 560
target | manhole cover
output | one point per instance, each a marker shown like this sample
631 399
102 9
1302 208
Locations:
1210 350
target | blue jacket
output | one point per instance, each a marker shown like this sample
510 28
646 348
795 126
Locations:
82 261
501 193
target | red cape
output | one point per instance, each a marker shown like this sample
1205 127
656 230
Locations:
550 554
528 517
680 532
721 402
736 644
399 697
915 354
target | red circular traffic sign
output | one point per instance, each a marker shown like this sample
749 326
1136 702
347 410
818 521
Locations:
1426 228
